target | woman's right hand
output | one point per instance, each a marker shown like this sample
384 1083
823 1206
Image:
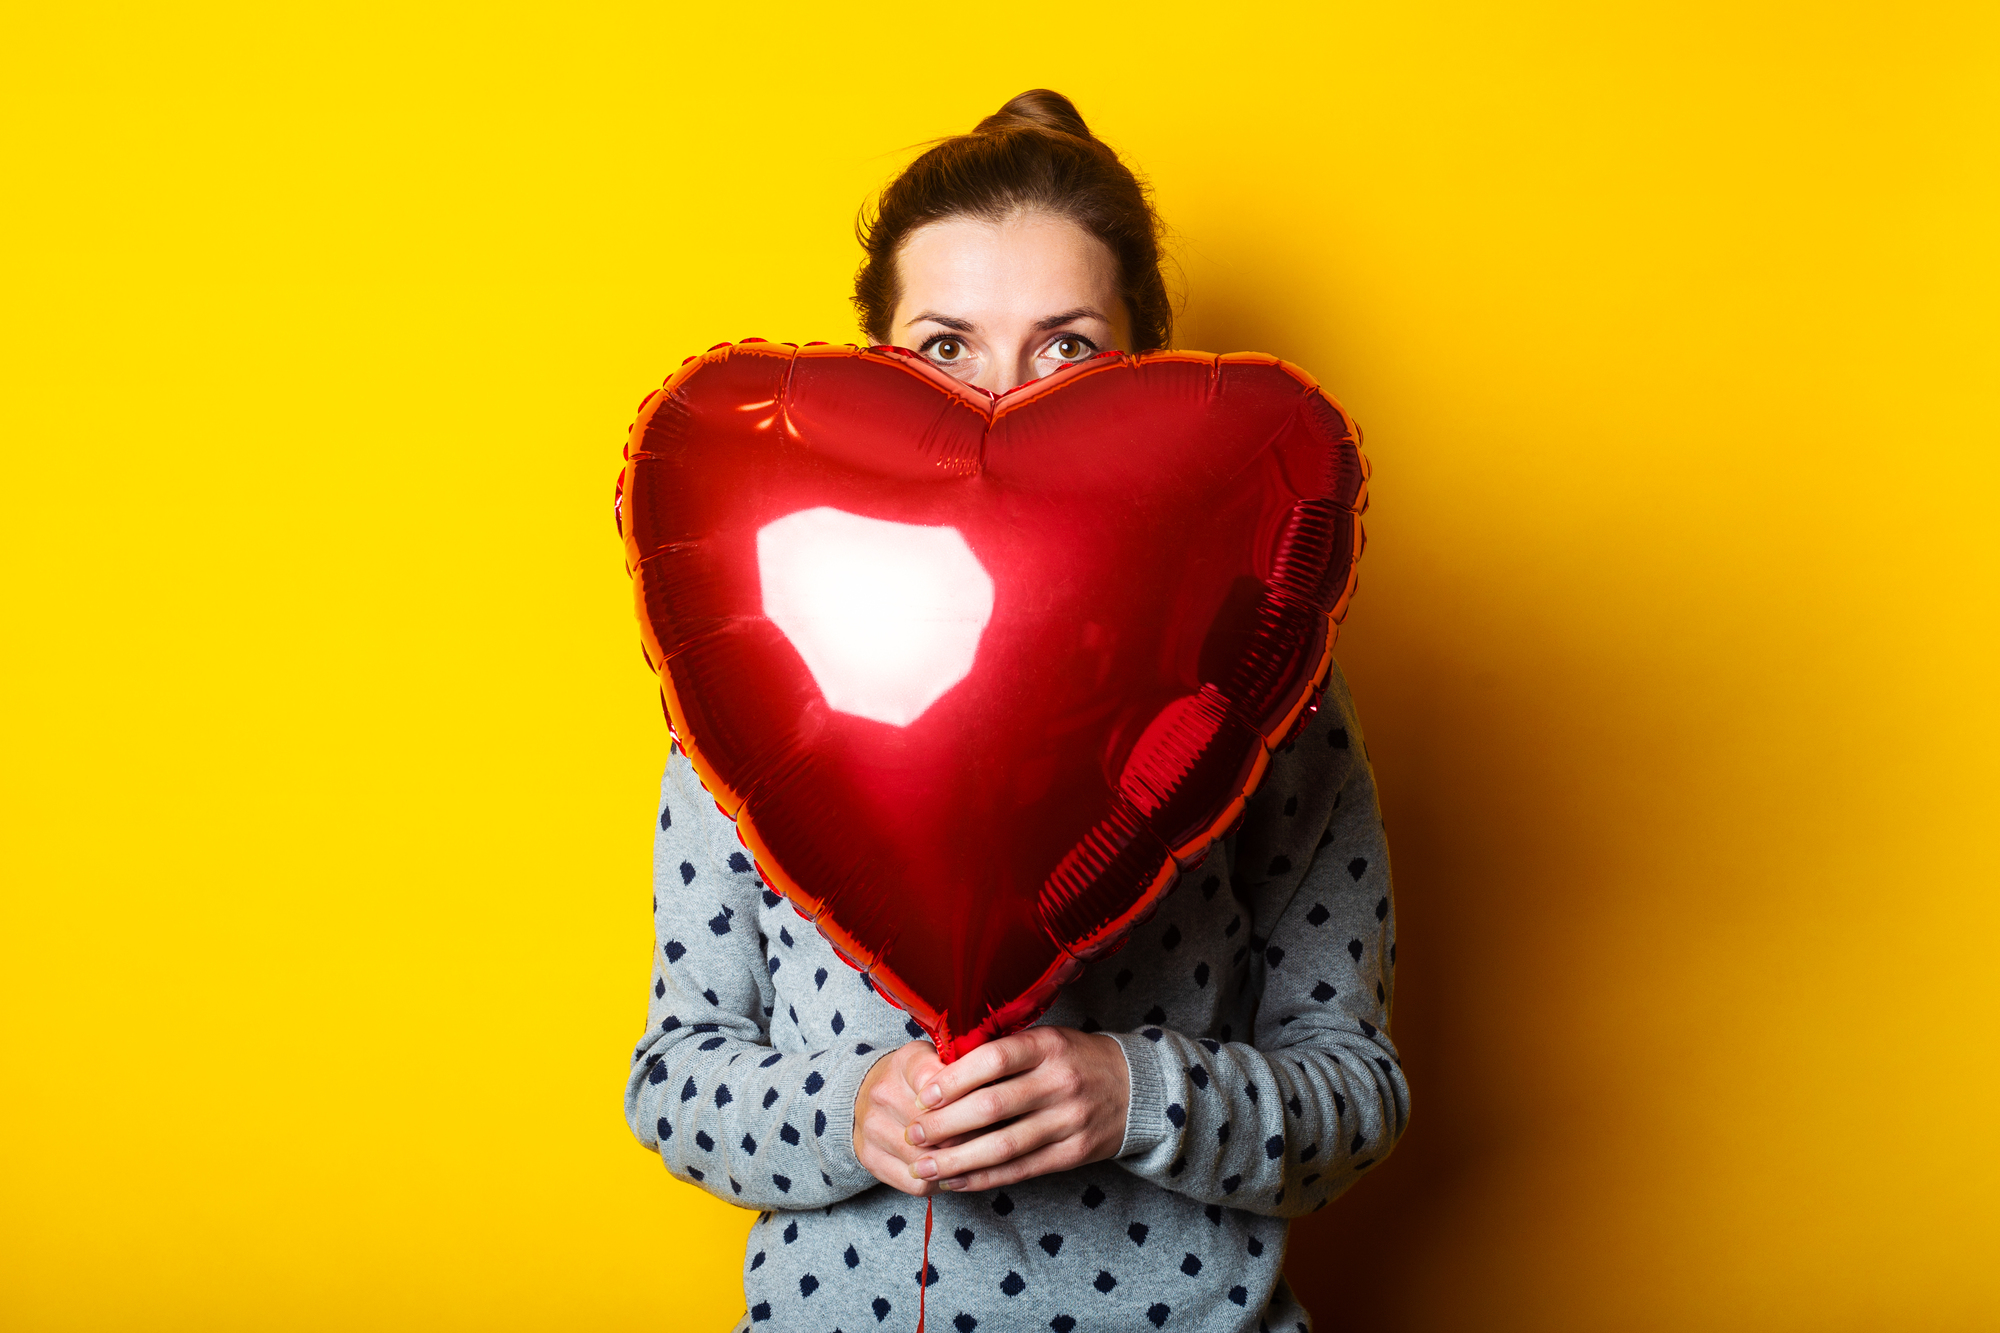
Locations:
883 1110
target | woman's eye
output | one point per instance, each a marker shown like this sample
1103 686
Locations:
1072 349
947 349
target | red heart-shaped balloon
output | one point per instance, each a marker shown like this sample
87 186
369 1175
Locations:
976 675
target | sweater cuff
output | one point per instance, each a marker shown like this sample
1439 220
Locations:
1146 1125
843 1085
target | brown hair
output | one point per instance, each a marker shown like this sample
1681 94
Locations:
1033 153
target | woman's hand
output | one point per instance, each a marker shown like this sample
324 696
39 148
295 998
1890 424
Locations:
1047 1099
883 1109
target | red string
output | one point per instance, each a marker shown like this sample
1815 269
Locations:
924 1273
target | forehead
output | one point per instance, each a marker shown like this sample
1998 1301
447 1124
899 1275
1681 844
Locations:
1029 264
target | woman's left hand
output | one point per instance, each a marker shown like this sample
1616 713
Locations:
1057 1096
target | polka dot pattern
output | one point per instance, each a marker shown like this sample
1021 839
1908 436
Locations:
1253 1010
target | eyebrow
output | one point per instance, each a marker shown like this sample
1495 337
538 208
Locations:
957 325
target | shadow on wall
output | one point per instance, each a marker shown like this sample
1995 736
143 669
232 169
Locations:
1467 728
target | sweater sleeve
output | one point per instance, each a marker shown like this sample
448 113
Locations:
708 1091
1281 1126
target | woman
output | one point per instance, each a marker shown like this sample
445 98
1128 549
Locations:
1133 1159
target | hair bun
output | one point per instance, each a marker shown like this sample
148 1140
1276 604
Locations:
1039 109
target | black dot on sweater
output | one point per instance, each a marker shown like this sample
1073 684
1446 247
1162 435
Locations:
852 1259
664 1128
1318 915
1291 805
666 818
1177 1113
1360 1141
770 898
659 988
1337 738
1323 992
1180 1165
1274 1147
839 1024
881 1309
1212 1047
1325 837
1392 955
1214 1214
772 1058
1137 1231
964 1237
1235 924
1156 1015
819 1124
757 1262
739 863
1250 1091
1123 979
711 997
1092 1196
814 1082
896 1223
1239 1296
1280 865
1310 1151
760 1312
703 1142
1230 1184
1105 1282
1172 938
749 1146
1199 1074
1366 1027
1339 1104
688 1091
1052 1244
1201 974
784 1183
719 924
929 1276
1307 1182
696 1174
1157 1313
1191 1266
674 950
1256 1247
1209 886
964 1323
789 1135
793 1010
771 965
1002 1204
1381 996
1382 910
722 1095
1354 950
784 937
1062 1323
1358 867
1222 1133
1151 1034
791 1232
1013 1284
657 1075
1274 955
687 872
819 978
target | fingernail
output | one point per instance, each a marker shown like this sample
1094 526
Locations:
925 1169
933 1095
955 1183
914 1134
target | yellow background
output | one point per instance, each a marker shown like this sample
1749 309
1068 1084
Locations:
331 757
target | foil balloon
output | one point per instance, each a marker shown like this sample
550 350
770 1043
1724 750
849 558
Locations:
976 676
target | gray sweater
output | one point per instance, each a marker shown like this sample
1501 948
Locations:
1253 1009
